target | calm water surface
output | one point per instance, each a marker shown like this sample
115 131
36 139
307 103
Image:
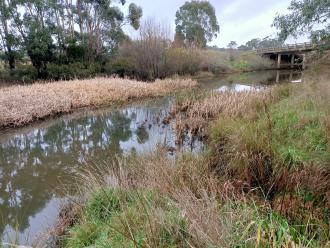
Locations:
36 161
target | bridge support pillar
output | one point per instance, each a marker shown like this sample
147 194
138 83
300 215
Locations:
292 61
304 62
277 76
291 76
279 57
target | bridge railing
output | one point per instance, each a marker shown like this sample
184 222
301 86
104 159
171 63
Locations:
288 48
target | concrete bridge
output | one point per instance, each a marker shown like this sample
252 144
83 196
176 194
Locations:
292 55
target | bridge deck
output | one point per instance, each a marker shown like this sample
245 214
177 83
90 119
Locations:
301 47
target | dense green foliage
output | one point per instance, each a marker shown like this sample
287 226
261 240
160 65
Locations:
62 32
305 16
196 23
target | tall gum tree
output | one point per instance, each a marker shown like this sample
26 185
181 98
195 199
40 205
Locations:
196 23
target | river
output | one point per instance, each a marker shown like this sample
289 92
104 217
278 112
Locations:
37 162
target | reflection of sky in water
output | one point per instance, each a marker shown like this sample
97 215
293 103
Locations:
239 88
34 160
248 81
37 223
296 81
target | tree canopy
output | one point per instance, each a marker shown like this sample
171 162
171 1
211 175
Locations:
62 31
264 43
196 23
232 44
306 16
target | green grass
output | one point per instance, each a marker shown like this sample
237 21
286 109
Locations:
299 136
129 219
283 154
291 129
115 218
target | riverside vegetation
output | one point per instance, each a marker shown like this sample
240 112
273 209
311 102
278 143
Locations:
262 181
20 105
49 40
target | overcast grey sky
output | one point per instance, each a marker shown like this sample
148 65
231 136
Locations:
240 20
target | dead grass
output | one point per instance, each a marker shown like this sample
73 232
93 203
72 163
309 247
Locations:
188 183
216 213
20 105
195 115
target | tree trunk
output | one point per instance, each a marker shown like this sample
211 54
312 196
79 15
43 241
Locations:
11 58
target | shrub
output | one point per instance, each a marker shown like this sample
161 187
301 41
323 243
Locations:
215 61
21 74
72 71
251 61
181 61
121 66
147 52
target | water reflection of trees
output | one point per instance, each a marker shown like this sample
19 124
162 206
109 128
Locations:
31 165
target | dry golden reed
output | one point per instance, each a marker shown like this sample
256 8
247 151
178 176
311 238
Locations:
229 104
20 105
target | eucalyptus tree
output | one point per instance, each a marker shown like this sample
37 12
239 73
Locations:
8 39
232 44
253 44
196 23
63 31
305 16
100 24
268 41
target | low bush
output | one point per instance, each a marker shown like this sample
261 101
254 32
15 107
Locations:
22 74
121 66
182 61
76 70
215 61
248 61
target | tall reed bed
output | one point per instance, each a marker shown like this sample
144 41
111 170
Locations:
20 105
194 113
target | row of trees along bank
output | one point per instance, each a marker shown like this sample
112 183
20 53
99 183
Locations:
67 39
49 39
62 32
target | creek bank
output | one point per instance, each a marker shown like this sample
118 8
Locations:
266 165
